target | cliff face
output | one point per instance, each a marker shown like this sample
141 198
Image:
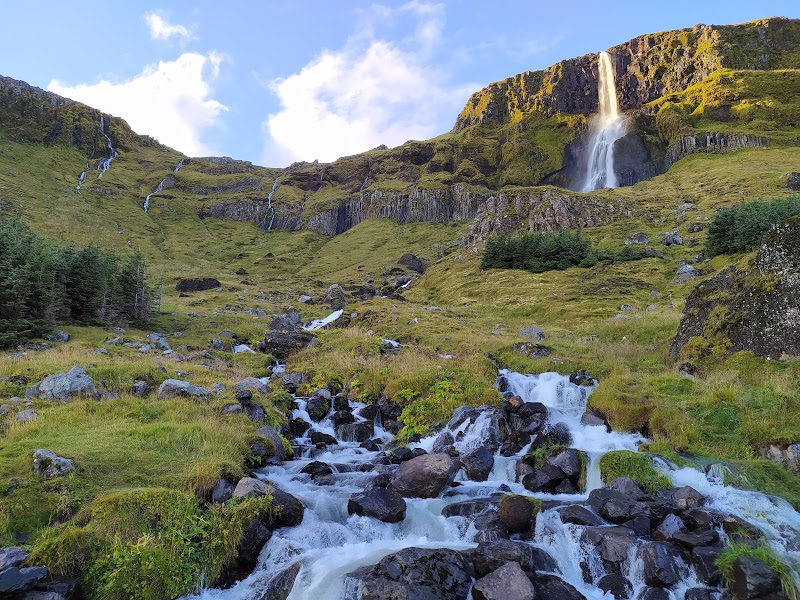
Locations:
647 67
754 309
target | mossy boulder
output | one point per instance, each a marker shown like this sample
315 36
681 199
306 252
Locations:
638 467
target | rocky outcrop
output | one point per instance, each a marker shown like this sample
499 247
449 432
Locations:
197 285
425 476
75 383
647 67
48 464
752 310
542 209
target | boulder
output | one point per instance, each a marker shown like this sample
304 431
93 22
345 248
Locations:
291 381
637 238
700 593
545 479
223 491
754 579
282 344
654 593
478 463
319 405
318 437
671 239
252 384
531 415
619 587
75 383
176 387
550 587
687 498
298 427
490 556
579 515
613 543
532 332
659 561
516 513
704 561
671 525
414 574
793 181
509 582
557 435
412 262
343 417
197 285
57 336
356 432
490 527
251 541
378 502
288 510
317 469
48 464
425 476
26 415
250 486
272 434
281 585
515 442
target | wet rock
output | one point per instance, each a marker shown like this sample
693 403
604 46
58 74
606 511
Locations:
531 416
378 502
356 432
469 508
49 465
254 536
319 405
654 593
317 469
370 445
612 505
703 559
341 403
400 455
545 479
298 427
415 573
508 582
18 580
619 587
550 587
659 564
390 410
515 442
223 491
75 383
692 540
490 556
516 513
754 579
490 527
175 387
579 515
613 543
343 417
595 419
425 476
478 463
557 435
443 441
288 510
281 585
671 525
318 437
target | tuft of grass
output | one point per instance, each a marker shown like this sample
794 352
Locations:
624 463
727 560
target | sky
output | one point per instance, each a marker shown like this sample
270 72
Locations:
278 82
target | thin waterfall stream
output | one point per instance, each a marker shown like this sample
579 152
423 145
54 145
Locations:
605 128
579 543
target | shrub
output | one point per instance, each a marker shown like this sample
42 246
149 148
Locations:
537 252
740 228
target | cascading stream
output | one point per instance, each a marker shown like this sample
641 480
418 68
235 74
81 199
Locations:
103 166
159 187
330 543
605 129
269 204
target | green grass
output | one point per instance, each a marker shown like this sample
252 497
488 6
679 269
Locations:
624 463
727 561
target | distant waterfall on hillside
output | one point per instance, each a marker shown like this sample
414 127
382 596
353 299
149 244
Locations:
605 128
112 153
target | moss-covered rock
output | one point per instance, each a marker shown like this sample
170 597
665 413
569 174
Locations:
624 463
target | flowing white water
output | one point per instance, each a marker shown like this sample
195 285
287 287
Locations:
159 187
269 204
605 128
321 323
103 166
180 164
330 543
82 177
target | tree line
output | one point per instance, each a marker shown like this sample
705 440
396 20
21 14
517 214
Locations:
43 284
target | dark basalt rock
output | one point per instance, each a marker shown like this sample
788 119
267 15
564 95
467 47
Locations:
282 344
659 564
317 437
579 515
317 469
515 442
197 285
703 559
252 540
425 476
343 417
379 502
753 579
613 543
557 435
620 587
516 513
490 556
318 406
356 432
415 573
280 586
550 587
478 463
298 426
508 582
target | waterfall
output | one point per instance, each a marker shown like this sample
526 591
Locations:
82 177
159 187
180 164
269 203
605 128
103 166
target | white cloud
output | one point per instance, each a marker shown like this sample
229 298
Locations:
160 29
170 101
372 91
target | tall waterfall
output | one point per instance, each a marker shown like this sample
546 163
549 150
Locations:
605 128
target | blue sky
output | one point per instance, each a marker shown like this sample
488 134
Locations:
275 82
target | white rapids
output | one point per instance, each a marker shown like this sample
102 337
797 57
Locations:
112 153
330 543
605 129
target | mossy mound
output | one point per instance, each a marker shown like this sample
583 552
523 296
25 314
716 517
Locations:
624 463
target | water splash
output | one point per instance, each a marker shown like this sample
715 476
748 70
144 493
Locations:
605 128
82 178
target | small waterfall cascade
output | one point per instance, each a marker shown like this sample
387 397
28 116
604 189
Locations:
159 187
330 543
82 178
605 128
269 203
112 153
